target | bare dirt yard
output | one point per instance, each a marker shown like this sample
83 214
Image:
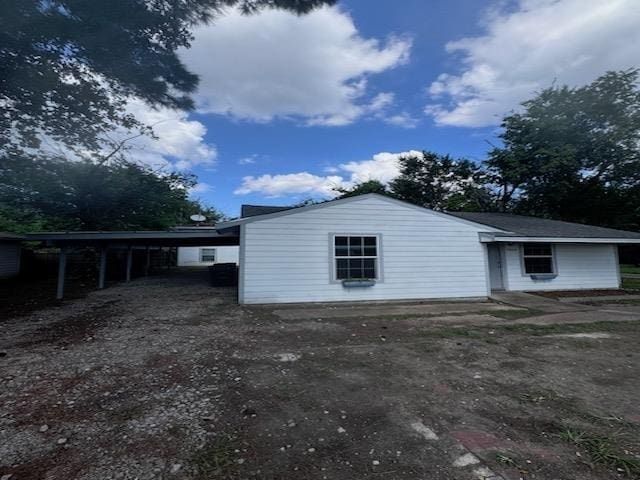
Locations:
168 378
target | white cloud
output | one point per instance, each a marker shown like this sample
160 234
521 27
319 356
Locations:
383 166
526 49
180 141
201 187
279 65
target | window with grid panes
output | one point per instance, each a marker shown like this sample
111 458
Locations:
356 257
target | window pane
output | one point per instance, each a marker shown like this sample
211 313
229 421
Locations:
342 251
208 255
537 249
355 263
355 246
369 251
342 274
538 265
341 241
370 241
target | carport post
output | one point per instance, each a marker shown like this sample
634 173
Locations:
103 267
129 262
147 265
62 268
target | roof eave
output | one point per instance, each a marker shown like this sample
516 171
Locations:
487 237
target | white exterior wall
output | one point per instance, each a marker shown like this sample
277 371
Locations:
288 258
9 259
578 266
190 256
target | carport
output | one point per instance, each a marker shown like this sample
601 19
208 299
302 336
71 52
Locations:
103 241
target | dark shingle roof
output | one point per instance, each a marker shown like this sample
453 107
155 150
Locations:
10 236
542 227
255 210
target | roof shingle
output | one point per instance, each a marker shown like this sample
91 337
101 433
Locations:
542 227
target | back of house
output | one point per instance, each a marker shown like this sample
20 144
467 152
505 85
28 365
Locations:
373 247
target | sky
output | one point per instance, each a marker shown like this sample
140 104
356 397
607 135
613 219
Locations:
290 107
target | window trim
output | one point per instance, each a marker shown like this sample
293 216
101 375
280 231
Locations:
215 254
554 267
332 255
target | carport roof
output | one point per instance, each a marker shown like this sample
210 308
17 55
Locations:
523 226
156 238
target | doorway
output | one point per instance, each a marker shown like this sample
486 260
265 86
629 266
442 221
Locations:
495 267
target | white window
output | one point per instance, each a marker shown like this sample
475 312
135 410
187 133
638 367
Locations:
355 257
207 255
537 258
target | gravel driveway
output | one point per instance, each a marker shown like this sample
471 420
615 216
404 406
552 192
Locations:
167 378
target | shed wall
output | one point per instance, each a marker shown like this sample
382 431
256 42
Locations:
577 267
423 254
9 259
190 256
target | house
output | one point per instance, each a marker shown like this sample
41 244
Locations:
9 254
205 255
373 247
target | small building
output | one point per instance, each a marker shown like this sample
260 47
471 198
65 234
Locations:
10 250
373 247
206 256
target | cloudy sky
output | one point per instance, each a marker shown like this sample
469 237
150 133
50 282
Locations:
291 107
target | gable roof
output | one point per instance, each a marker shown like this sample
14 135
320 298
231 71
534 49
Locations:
280 211
255 210
521 225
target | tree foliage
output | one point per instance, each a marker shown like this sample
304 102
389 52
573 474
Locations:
68 67
369 186
440 182
574 153
54 194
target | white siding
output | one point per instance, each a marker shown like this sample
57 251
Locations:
577 266
9 259
423 254
190 256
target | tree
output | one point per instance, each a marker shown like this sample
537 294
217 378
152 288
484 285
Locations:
441 183
574 153
68 67
54 194
370 186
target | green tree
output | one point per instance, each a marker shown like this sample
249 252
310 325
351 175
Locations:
574 153
53 194
68 67
441 183
369 186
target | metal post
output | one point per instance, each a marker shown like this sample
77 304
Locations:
129 262
62 268
147 265
103 267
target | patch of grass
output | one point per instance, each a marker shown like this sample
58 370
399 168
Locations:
514 314
603 451
483 333
216 460
630 269
631 283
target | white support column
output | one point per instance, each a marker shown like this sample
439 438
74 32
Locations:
129 262
103 267
62 268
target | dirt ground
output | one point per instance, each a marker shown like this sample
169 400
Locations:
167 378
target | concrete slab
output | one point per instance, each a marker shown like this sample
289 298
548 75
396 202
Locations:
599 298
392 309
536 302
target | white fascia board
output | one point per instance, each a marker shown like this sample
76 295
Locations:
487 237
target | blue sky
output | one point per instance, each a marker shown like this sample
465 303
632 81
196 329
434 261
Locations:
289 106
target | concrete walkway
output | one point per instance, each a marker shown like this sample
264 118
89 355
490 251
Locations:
536 302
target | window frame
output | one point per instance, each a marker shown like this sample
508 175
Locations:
215 255
333 264
552 256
